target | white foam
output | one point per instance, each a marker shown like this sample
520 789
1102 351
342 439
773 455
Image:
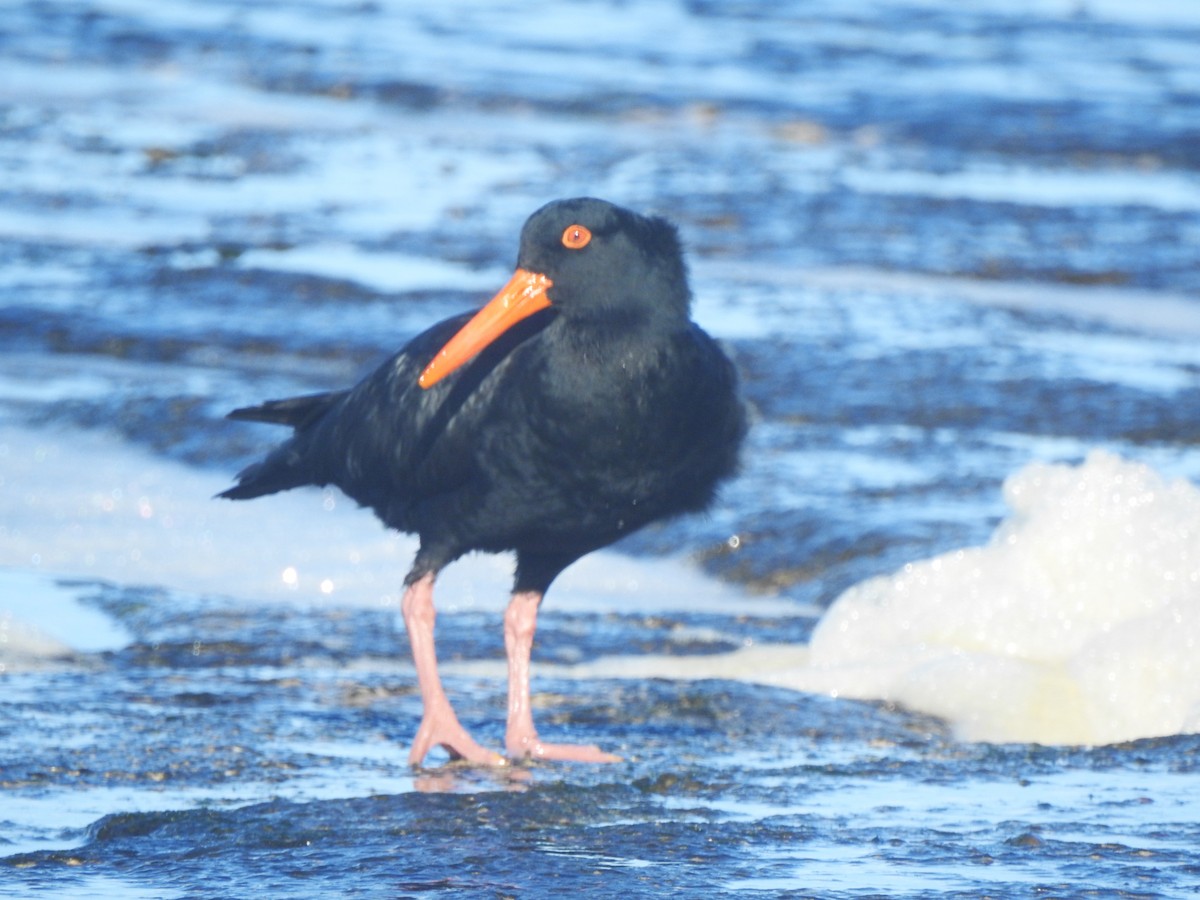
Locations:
382 271
1079 622
1155 313
1172 191
43 623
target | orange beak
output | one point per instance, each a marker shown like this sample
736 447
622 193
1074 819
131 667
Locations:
524 295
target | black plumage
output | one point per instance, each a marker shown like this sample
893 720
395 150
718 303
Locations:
603 409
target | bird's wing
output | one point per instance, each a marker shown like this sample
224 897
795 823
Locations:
389 443
343 437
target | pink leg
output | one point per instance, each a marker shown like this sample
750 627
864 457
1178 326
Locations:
521 739
439 724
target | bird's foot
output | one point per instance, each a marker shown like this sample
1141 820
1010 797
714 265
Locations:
532 747
440 730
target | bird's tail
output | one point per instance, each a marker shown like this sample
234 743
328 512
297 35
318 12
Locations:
267 477
285 466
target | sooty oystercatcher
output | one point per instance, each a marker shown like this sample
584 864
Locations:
578 405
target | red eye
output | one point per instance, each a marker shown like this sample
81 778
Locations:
576 236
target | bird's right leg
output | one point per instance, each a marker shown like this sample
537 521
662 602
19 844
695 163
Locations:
521 738
439 724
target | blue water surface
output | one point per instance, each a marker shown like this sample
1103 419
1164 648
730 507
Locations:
939 240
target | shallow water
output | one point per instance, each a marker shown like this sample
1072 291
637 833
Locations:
941 244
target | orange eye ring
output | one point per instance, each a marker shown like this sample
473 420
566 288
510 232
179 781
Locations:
576 237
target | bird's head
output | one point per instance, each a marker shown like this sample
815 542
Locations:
589 260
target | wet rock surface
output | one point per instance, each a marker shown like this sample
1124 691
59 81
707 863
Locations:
937 242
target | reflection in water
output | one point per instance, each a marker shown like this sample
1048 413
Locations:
460 778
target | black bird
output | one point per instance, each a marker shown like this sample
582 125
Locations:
578 405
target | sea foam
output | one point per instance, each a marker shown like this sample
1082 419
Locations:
1078 622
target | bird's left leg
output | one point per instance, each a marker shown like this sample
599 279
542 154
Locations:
439 724
521 738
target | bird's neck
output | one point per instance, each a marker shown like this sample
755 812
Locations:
595 339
